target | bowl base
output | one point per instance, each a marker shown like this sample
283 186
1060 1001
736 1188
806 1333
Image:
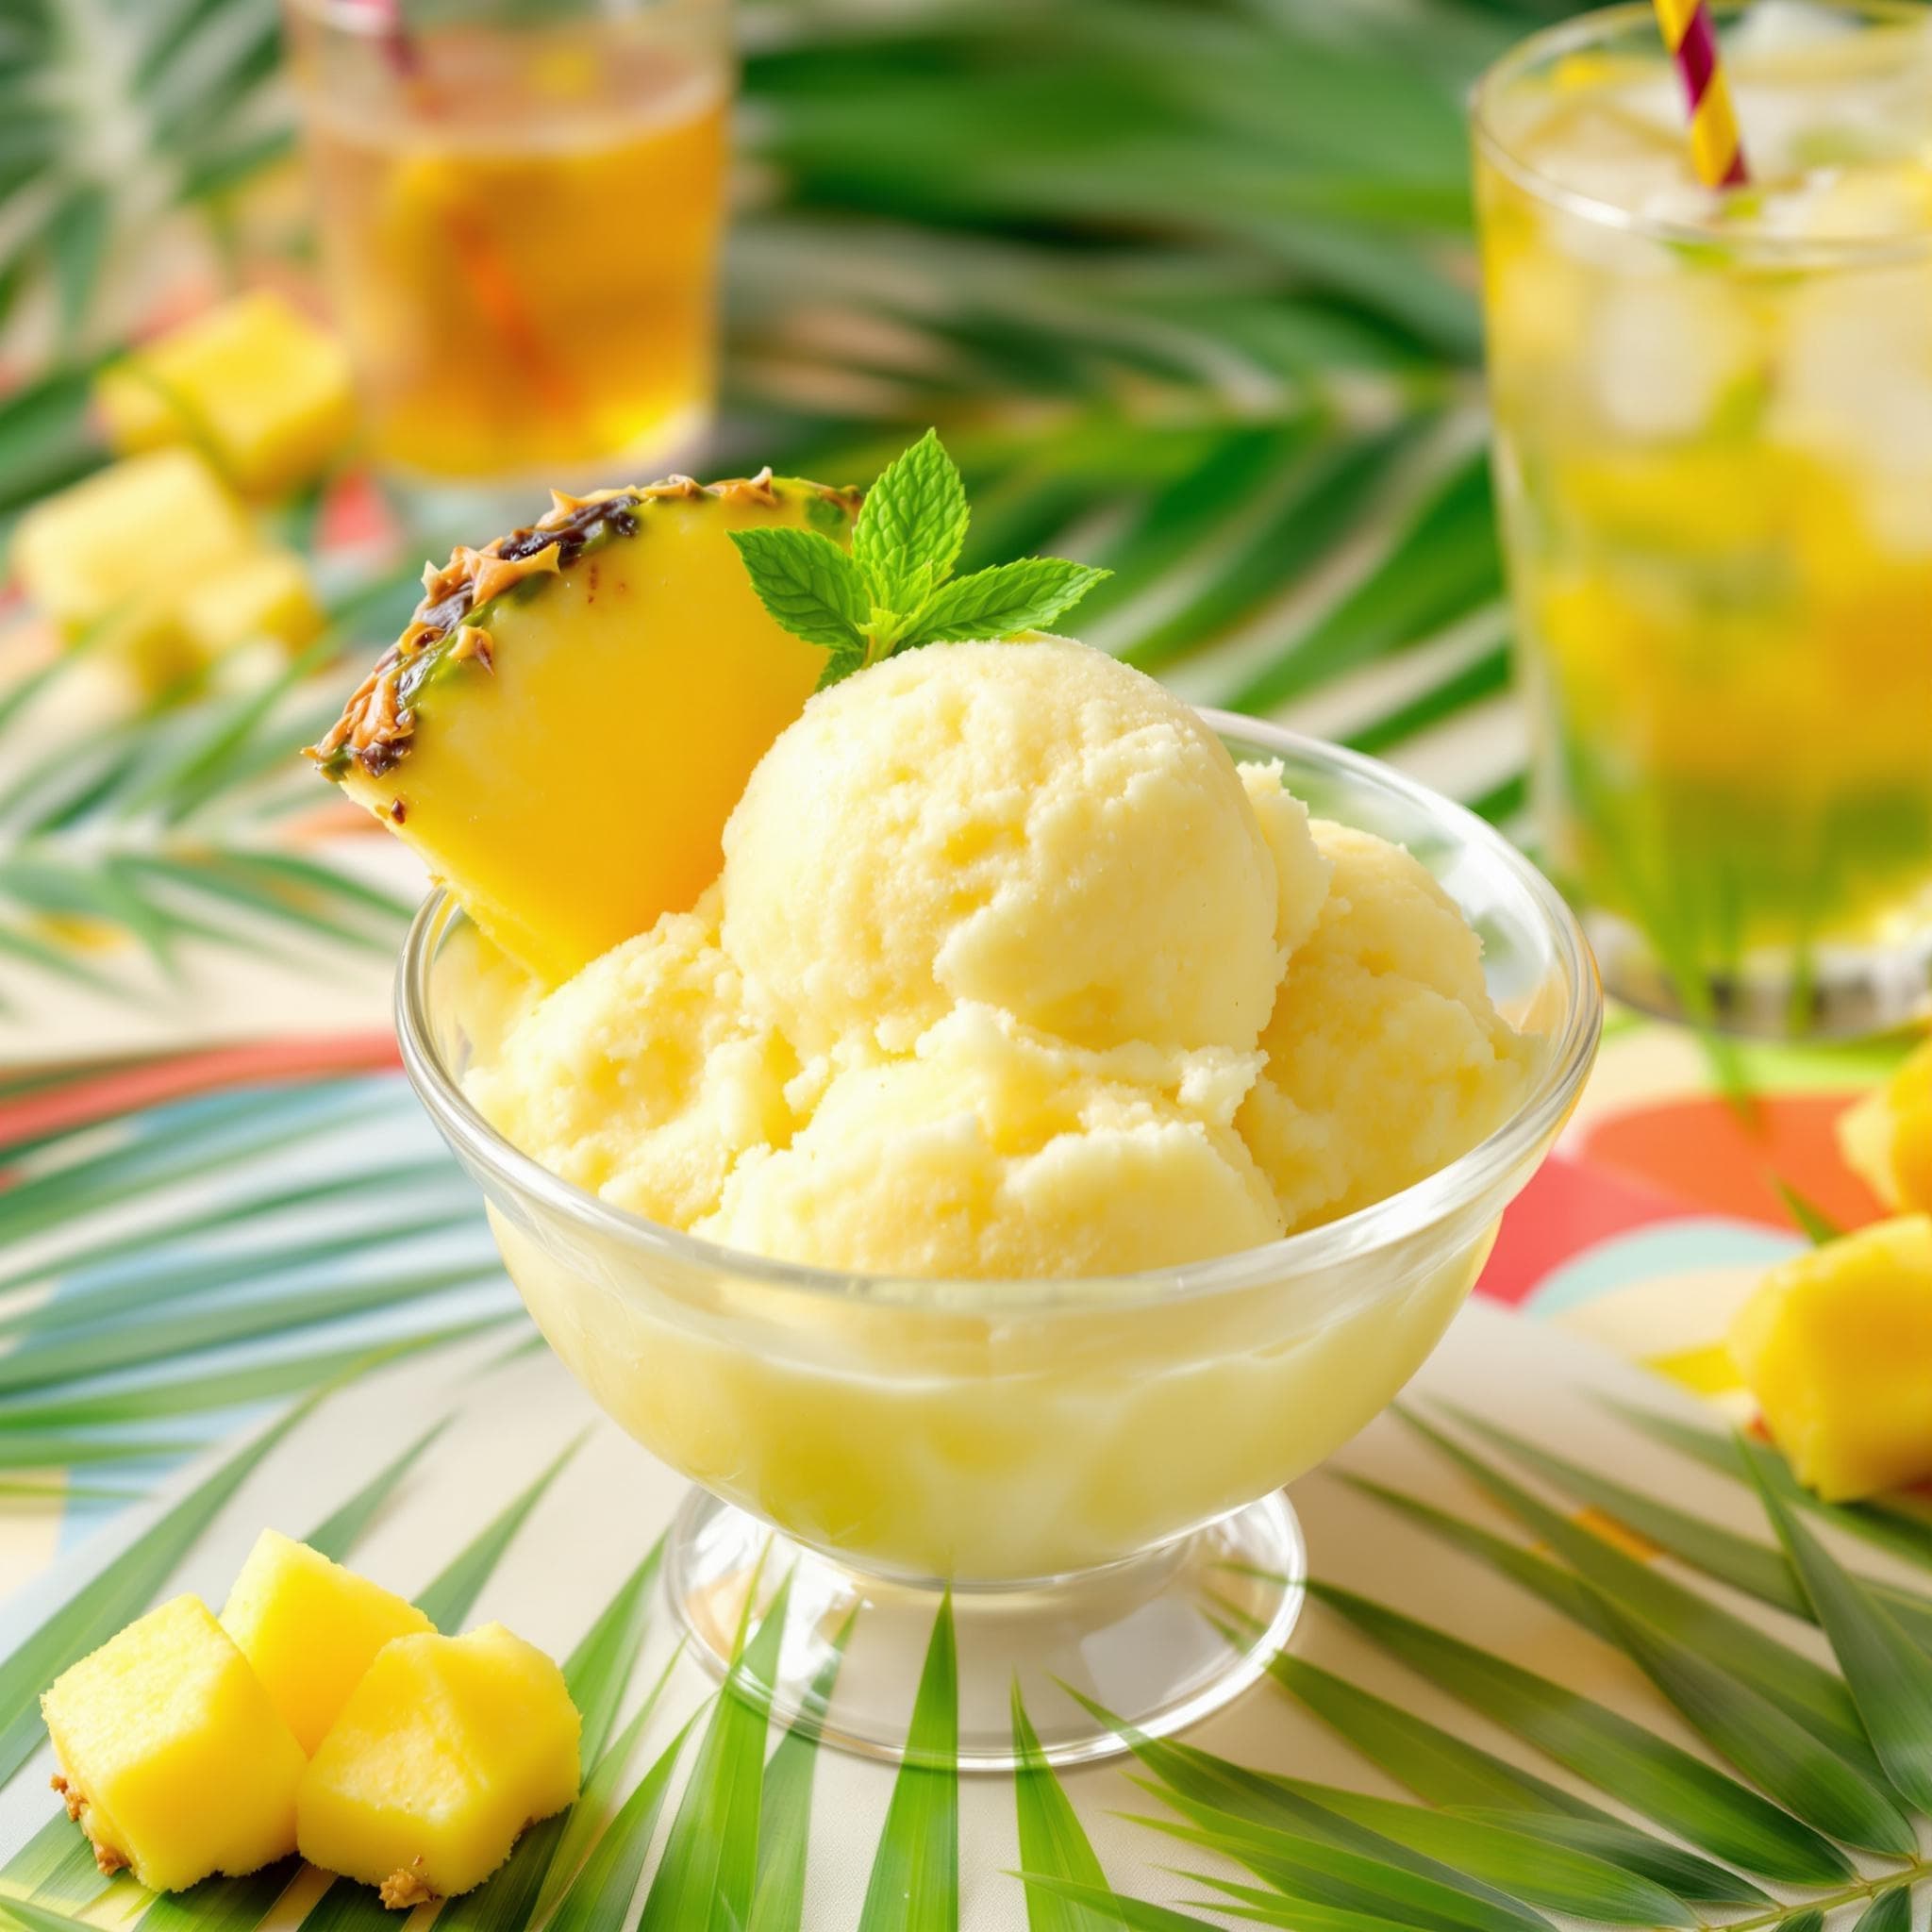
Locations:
1157 1641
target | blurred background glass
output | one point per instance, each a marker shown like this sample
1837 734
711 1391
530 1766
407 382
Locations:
520 211
1712 418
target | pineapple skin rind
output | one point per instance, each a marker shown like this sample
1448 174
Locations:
447 1748
176 1761
432 643
311 1629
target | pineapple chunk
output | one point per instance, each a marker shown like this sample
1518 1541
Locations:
254 383
565 727
173 1759
117 548
310 1628
1837 1346
445 1750
265 596
1887 1138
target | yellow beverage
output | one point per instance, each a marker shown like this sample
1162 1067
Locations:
1713 420
520 227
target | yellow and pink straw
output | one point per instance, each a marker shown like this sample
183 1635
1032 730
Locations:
1716 150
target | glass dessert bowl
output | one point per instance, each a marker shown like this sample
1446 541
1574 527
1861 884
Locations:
1093 1468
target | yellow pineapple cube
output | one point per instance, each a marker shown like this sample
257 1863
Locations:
254 383
312 1630
172 1757
1887 1138
445 1750
1837 1346
117 548
564 728
265 596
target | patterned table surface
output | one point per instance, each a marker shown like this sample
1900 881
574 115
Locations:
1613 1278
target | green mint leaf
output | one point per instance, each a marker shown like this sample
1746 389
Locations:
912 528
809 586
1003 601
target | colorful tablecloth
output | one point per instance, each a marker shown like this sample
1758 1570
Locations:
1611 1282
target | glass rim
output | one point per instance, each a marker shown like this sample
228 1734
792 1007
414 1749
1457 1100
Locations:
1411 1210
1586 30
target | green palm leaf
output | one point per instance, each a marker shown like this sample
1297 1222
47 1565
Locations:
1656 1777
1893 1525
915 1873
604 1795
1779 1674
1466 1781
1511 1859
1320 1854
1779 1756
1309 1873
1137 1914
1053 1842
709 1866
1890 1676
602 1891
1890 1911
777 1900
1753 1567
39 1918
1757 1568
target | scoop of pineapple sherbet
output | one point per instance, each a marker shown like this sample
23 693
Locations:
1386 1058
644 1077
997 1152
1835 1345
1033 827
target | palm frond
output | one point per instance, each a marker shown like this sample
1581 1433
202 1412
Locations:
705 1879
915 1874
1485 1835
182 1261
125 840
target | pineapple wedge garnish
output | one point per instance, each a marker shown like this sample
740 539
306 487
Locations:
565 725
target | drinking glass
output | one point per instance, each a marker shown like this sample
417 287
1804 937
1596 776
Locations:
520 209
1713 445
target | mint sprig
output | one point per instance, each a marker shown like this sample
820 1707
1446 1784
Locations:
896 589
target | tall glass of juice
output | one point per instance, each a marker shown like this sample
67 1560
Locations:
1713 441
520 209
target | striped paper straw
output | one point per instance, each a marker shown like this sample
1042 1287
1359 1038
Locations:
1716 150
